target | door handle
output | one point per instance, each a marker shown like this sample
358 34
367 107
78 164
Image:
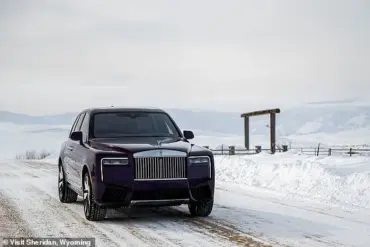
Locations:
70 148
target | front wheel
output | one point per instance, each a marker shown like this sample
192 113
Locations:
202 209
93 211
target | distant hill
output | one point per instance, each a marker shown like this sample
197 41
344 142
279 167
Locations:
17 118
308 119
213 121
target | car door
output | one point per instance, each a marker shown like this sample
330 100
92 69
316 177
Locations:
75 155
67 152
79 151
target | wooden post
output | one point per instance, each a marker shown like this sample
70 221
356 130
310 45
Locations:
272 132
246 132
329 152
232 150
350 152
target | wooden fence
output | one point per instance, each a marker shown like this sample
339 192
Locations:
316 151
335 151
232 150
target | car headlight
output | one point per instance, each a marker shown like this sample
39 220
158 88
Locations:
115 161
199 160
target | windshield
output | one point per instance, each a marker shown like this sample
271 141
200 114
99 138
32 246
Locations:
124 124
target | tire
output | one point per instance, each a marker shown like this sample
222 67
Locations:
93 211
202 209
66 194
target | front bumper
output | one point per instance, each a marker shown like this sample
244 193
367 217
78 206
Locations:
154 193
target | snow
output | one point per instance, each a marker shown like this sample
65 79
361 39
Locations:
310 127
285 221
51 159
287 199
353 137
338 180
21 138
240 212
358 121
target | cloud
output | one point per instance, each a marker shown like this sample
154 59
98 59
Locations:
231 55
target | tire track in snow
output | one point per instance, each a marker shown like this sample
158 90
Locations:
160 223
115 237
48 220
213 227
11 221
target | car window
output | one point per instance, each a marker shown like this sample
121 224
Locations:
74 124
85 126
79 123
123 124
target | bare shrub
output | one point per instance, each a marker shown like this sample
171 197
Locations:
19 157
43 154
32 155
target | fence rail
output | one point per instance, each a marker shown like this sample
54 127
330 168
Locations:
318 151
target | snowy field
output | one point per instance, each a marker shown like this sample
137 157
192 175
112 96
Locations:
20 138
286 199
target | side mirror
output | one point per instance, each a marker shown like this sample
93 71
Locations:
188 134
76 136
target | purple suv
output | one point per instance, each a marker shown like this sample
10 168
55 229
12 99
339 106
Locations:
131 157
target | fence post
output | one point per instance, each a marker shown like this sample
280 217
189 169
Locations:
329 152
258 149
232 150
350 152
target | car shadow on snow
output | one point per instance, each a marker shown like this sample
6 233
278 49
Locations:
145 214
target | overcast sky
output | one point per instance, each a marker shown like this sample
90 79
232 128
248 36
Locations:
58 56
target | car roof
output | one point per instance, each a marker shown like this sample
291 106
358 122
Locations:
124 109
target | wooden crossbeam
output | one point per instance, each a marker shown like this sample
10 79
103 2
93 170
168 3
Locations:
258 113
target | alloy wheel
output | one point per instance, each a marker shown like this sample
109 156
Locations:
61 182
86 196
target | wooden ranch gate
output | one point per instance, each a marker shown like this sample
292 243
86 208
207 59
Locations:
272 113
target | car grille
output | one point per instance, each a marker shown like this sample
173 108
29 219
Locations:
152 168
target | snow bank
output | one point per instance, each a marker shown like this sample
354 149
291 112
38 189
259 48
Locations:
339 180
51 159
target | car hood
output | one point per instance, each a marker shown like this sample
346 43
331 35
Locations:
138 144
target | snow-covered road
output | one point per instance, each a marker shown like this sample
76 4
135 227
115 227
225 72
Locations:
241 217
